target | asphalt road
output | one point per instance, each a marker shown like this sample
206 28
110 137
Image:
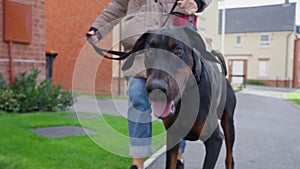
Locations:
267 134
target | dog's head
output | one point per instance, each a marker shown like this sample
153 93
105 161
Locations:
172 59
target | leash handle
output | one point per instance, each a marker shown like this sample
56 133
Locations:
122 55
191 21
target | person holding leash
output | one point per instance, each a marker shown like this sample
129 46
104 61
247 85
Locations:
140 16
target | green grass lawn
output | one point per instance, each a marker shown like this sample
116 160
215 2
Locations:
294 97
22 149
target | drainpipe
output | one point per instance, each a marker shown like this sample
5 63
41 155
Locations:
11 62
296 63
287 52
287 57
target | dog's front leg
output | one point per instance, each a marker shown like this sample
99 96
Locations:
213 146
172 152
173 142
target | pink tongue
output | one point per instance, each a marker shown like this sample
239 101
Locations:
161 109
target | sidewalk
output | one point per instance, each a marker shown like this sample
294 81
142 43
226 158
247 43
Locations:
100 106
267 91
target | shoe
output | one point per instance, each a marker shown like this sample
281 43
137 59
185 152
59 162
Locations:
180 164
133 167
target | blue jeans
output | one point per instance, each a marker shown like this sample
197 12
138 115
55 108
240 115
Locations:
139 119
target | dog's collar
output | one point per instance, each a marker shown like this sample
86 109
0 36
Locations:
194 79
197 65
197 74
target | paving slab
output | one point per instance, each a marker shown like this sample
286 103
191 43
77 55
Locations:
62 131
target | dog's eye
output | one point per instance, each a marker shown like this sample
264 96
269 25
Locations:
178 51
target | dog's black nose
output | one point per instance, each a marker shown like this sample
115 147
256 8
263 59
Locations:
156 90
156 85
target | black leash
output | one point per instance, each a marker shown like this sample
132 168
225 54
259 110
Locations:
124 55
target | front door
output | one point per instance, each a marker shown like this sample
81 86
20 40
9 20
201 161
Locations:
237 72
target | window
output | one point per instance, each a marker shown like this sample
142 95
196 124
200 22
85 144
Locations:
263 68
265 40
238 41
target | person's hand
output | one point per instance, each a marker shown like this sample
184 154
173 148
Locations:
92 34
188 6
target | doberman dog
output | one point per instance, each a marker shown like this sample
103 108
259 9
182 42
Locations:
188 91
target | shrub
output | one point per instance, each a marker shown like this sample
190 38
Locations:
51 98
256 82
9 101
27 94
27 85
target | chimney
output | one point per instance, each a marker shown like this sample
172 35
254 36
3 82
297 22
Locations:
287 1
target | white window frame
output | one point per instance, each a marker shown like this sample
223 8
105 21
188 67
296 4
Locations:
264 42
236 40
264 68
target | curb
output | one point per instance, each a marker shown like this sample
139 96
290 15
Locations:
155 156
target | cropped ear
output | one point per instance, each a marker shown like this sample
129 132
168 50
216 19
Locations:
138 46
198 43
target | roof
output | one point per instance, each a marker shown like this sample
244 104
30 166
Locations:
271 18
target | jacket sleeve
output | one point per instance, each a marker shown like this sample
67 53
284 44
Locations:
202 4
109 17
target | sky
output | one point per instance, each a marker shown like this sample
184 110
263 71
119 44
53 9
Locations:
251 3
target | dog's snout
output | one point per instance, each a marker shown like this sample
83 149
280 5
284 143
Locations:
156 85
156 90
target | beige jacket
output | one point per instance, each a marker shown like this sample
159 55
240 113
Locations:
136 17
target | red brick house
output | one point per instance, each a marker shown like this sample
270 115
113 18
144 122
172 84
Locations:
22 33
66 24
58 25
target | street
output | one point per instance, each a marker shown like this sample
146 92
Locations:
267 135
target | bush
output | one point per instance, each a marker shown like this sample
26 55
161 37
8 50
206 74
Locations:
256 82
9 101
27 95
